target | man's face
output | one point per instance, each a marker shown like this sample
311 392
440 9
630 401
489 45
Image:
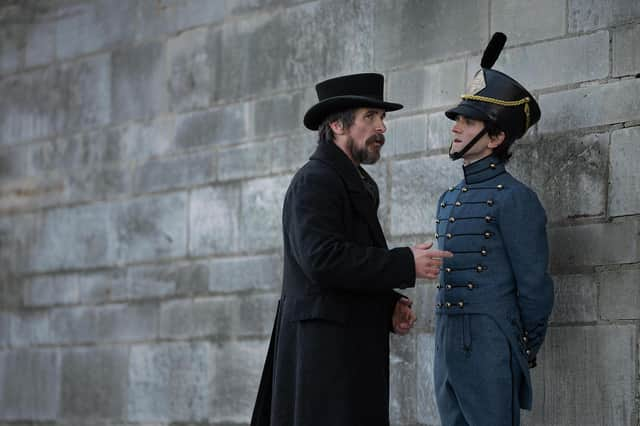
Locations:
365 136
462 132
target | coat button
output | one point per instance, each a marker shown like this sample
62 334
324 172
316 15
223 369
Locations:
493 166
483 251
451 188
447 269
500 187
452 219
489 202
458 203
443 205
487 235
437 220
461 304
479 268
524 339
528 351
448 304
488 219
438 305
465 189
449 286
470 286
449 236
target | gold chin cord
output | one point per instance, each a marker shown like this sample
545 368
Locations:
500 102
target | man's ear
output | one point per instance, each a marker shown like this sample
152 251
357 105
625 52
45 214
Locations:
497 140
337 127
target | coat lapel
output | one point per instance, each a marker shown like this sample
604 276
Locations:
330 154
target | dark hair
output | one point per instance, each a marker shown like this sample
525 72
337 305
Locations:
346 117
502 151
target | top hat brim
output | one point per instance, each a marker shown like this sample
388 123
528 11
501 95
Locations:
466 110
320 111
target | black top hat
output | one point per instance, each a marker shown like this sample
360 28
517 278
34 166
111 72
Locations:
345 92
494 96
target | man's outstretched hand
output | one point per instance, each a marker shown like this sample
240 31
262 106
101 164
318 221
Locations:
428 261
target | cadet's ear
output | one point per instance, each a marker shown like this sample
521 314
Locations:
497 140
337 127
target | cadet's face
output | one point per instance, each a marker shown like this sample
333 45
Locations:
462 132
366 135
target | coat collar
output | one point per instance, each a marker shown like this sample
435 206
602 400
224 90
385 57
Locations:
484 169
330 154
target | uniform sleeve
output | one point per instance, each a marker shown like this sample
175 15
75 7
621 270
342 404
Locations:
523 227
315 230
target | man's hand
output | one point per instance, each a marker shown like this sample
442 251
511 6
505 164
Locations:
428 261
403 317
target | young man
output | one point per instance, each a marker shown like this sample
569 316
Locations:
328 360
495 296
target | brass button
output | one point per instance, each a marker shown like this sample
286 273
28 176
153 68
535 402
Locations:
500 186
438 286
490 202
437 235
449 286
479 268
447 269
487 234
451 188
449 236
493 166
528 351
461 304
443 205
524 339
465 189
483 251
488 219
452 219
437 220
448 304
458 203
438 305
470 286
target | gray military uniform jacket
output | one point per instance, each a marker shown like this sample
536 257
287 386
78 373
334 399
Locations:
495 226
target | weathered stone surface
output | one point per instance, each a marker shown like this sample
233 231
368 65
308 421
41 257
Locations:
52 290
187 318
29 384
427 410
175 172
289 154
402 379
429 87
586 15
139 82
620 295
438 131
96 185
160 18
166 280
214 224
234 377
217 126
94 382
149 139
524 21
14 162
10 39
100 287
624 177
245 273
254 315
406 135
40 46
288 48
570 395
594 244
610 103
152 227
5 330
261 213
279 115
168 382
416 186
577 59
30 328
412 23
245 161
626 50
566 172
576 299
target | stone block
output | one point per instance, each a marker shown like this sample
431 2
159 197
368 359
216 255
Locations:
575 60
75 238
610 103
300 34
620 295
139 82
145 140
40 48
127 322
51 290
624 177
94 382
168 382
74 325
416 186
566 172
29 384
161 281
588 15
586 376
234 376
428 87
88 27
407 135
95 184
175 172
403 384
427 409
576 299
191 70
261 213
14 162
438 131
245 273
5 330
165 17
424 300
202 317
289 154
254 316
412 23
11 37
240 7
525 22
626 50
214 222
30 328
593 244
245 161
18 233
221 125
103 286
151 227
278 115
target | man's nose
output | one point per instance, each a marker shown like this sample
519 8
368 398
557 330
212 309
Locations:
381 128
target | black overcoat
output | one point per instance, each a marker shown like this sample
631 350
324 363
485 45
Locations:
328 359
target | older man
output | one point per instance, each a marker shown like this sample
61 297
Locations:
328 361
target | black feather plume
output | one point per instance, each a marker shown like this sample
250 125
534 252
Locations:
493 50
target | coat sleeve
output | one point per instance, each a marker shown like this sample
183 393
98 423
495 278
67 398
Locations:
314 226
523 227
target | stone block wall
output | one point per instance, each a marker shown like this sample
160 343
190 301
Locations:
146 146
